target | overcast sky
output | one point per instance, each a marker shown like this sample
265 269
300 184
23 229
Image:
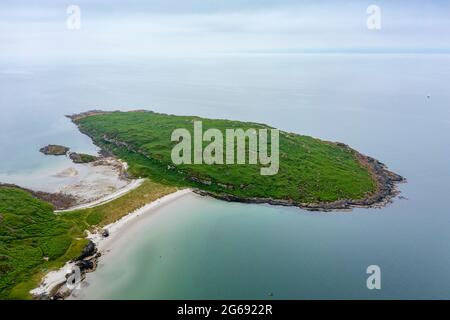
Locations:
160 27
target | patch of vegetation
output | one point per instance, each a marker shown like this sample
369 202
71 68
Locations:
34 240
311 170
82 157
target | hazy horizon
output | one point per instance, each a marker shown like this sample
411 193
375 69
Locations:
37 29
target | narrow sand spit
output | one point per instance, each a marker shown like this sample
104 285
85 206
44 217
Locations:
57 278
133 185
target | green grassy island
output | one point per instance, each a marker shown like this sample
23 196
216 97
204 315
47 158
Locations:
313 174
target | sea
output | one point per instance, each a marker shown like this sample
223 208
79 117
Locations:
393 107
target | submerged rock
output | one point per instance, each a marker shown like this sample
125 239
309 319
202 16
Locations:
67 173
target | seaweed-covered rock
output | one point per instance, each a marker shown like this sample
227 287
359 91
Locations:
55 150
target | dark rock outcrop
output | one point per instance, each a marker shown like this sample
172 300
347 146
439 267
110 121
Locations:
85 265
88 251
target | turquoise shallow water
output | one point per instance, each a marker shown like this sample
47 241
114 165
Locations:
199 248
210 249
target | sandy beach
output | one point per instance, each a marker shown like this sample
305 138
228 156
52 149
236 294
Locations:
58 277
122 225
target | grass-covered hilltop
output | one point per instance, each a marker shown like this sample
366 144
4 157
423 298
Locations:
312 174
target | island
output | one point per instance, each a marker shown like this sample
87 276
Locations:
313 174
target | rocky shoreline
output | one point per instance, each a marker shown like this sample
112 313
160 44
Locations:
74 274
386 190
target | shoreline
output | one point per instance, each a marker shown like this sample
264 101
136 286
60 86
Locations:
53 284
386 190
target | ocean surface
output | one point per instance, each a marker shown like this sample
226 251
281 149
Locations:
204 248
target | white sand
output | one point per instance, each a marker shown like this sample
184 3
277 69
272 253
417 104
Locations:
132 185
54 278
121 225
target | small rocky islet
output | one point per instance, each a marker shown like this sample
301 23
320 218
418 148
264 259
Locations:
82 157
54 150
58 150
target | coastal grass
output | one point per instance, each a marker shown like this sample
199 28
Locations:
34 240
112 211
311 170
